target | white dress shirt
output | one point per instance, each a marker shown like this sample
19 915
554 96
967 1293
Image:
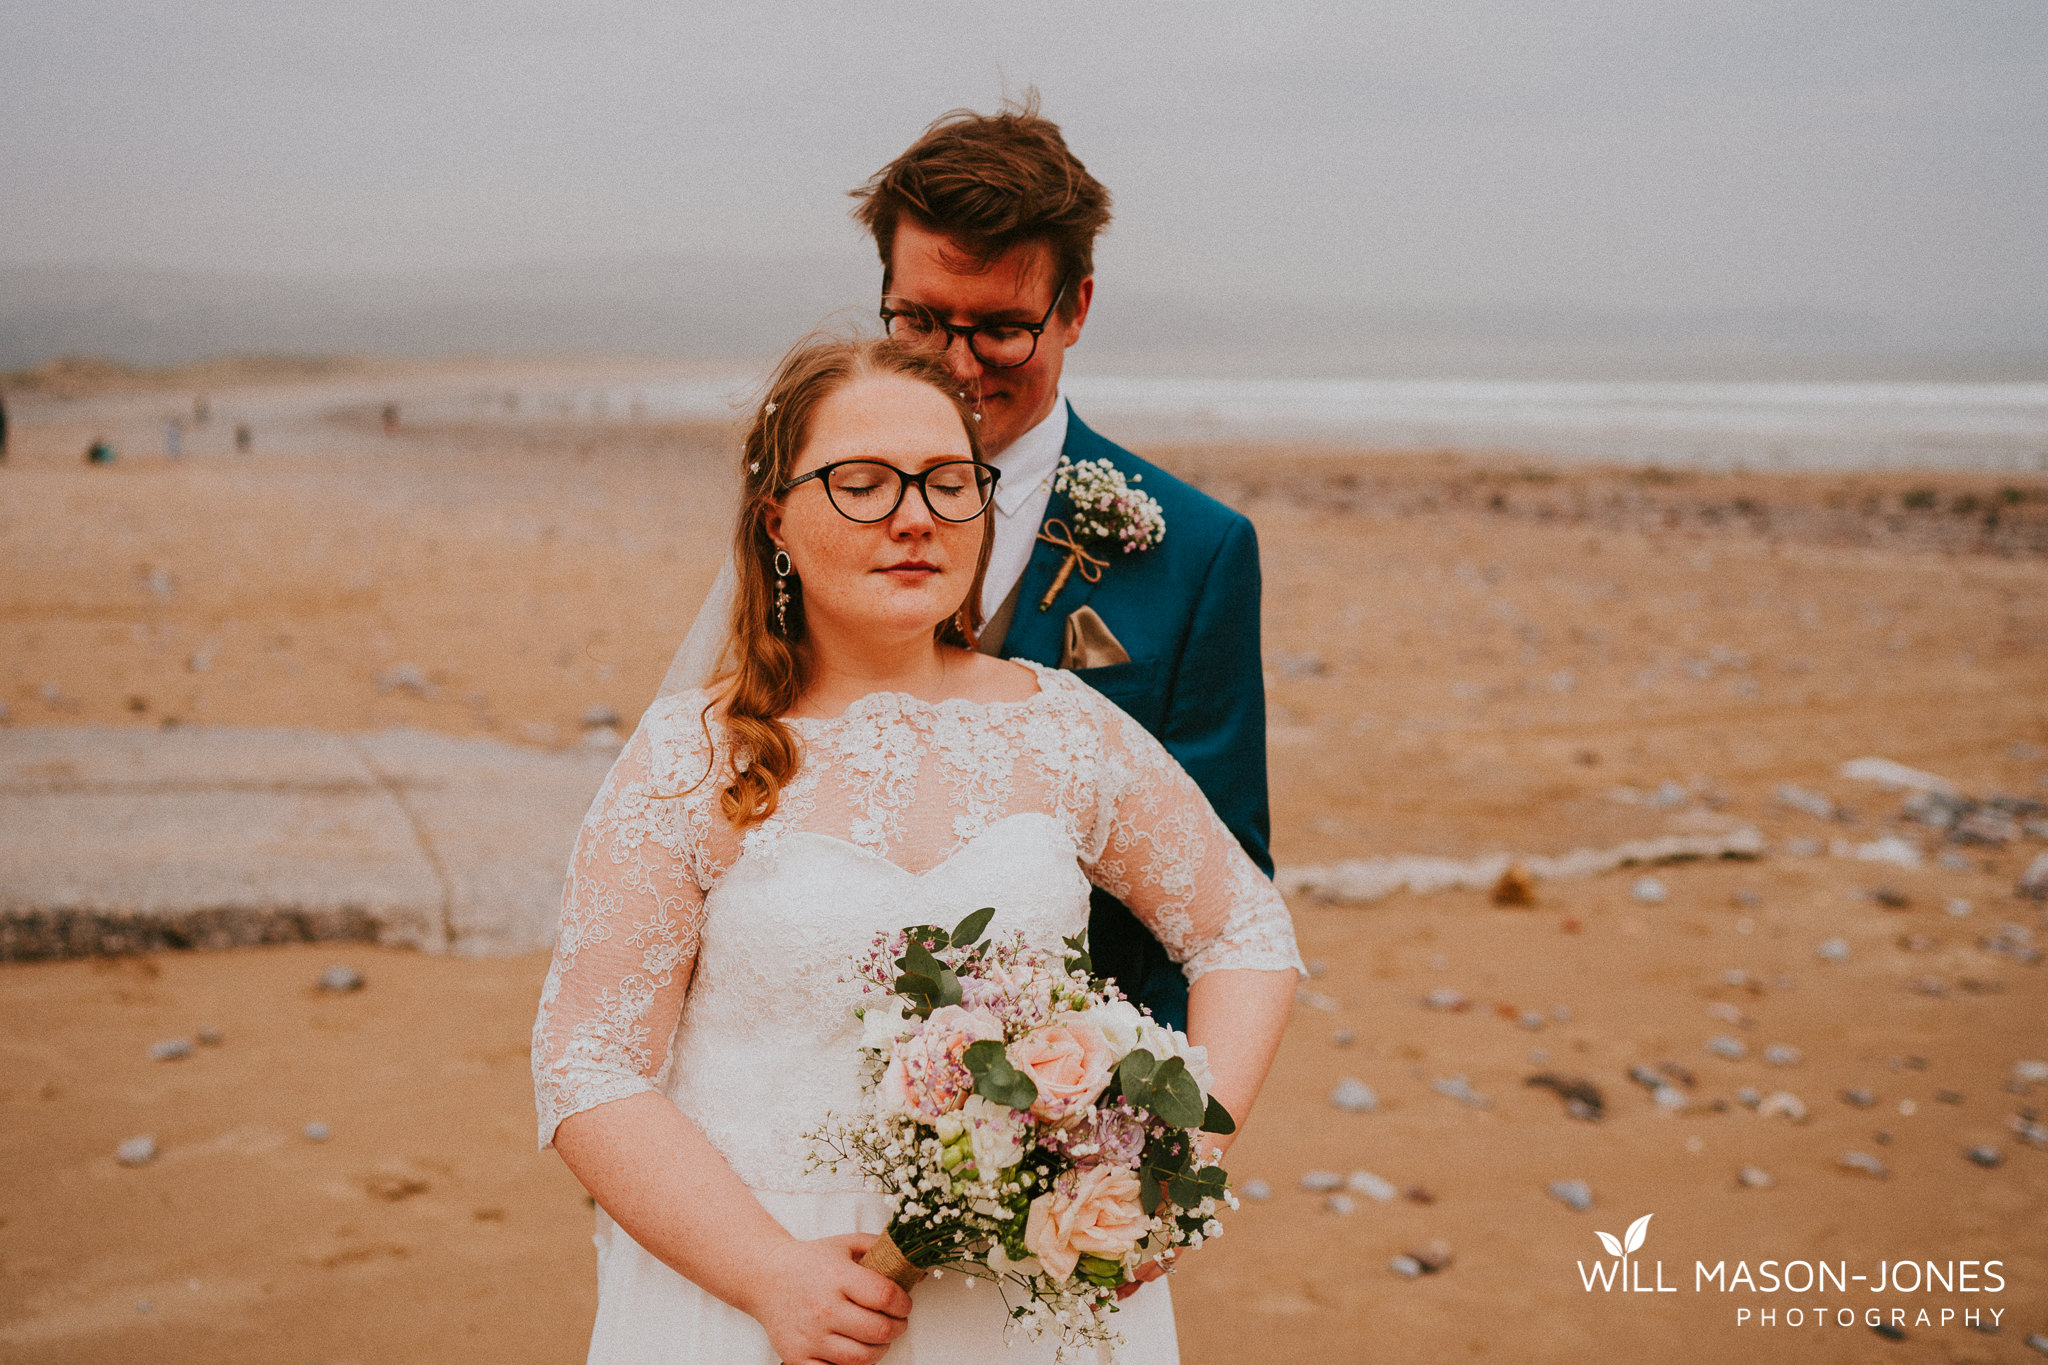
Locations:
1021 497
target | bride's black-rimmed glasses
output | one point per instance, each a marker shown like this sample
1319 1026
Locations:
869 491
998 345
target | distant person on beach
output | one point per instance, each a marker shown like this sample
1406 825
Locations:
244 438
174 438
3 428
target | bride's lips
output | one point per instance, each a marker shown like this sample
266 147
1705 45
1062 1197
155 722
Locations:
909 570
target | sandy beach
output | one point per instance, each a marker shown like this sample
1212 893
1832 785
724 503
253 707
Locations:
1467 655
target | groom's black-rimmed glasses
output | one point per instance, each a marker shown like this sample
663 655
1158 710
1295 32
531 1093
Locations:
868 491
998 345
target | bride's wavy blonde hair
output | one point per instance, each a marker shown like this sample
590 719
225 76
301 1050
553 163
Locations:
766 671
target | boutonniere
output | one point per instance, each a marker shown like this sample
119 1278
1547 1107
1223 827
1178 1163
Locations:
1108 514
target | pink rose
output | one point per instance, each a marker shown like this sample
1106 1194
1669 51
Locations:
1069 1063
925 1075
1094 1211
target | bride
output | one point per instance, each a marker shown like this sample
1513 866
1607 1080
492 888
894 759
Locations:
857 768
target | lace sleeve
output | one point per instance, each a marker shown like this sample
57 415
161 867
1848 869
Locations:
1159 847
631 916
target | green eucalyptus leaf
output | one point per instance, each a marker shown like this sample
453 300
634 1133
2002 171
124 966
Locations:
1217 1119
1184 1191
971 928
1134 1074
995 1080
1148 1191
1174 1095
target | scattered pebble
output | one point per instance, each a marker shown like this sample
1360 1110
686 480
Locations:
136 1151
341 978
1316 1000
1803 848
1858 1098
318 1132
1576 1195
600 717
1514 889
1908 1108
1317 967
1987 1156
1354 1096
1783 1054
1889 1332
1340 1204
1406 1266
1865 1162
2030 1072
1834 950
1754 1178
1811 802
1782 1102
1891 898
1649 891
603 737
1728 1014
1582 1099
2033 883
1460 1089
1321 1182
1445 999
209 1036
2038 1342
1749 1097
144 1306
1373 1187
1668 1097
170 1049
1734 1049
1954 862
1432 1258
1258 1191
405 678
1948 1097
1530 1019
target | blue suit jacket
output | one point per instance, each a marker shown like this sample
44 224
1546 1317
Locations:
1187 612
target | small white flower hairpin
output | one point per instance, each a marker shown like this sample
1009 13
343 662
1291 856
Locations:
769 409
754 468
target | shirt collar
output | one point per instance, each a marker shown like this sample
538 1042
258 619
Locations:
1031 458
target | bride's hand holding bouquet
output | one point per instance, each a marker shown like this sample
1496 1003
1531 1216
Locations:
1032 1126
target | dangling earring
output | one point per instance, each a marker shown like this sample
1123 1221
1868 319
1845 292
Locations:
783 569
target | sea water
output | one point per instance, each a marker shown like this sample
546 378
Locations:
1708 425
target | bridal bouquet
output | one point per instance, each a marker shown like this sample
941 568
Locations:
1033 1127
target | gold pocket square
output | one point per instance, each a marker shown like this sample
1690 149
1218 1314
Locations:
1090 643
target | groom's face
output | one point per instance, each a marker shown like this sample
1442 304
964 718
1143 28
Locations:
931 269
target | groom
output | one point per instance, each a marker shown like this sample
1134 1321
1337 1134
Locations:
986 228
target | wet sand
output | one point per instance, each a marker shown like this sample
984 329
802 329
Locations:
1466 655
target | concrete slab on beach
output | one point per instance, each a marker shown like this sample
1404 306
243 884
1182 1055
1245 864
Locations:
118 840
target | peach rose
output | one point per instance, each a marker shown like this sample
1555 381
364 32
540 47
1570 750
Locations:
1068 1060
925 1075
1094 1211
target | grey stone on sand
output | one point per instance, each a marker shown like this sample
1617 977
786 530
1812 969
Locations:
340 978
1734 1049
1405 1266
1864 1162
318 1132
209 1036
1258 1191
1754 1178
170 1049
1649 891
2034 881
1340 1204
1576 1195
1321 1182
1833 950
1354 1096
136 1151
1783 1054
1987 1156
119 840
1376 1188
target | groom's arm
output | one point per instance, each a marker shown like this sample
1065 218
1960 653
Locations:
1215 721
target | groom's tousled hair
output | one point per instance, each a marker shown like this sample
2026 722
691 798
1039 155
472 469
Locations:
992 182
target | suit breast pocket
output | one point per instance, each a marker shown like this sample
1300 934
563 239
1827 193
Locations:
1133 686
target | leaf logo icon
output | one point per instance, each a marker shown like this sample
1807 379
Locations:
1637 1231
1607 1240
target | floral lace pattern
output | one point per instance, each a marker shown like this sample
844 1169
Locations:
707 965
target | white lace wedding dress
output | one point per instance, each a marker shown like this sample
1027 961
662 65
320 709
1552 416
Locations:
715 968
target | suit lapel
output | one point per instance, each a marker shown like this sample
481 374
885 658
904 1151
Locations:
1041 635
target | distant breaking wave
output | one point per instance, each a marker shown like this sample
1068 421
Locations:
1790 426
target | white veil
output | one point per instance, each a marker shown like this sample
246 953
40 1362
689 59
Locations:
697 658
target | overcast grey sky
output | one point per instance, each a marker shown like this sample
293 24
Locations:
1634 155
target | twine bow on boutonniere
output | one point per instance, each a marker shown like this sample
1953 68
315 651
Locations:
1108 514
